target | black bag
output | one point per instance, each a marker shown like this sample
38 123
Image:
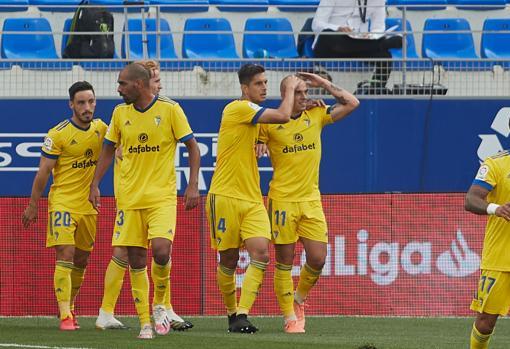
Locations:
88 19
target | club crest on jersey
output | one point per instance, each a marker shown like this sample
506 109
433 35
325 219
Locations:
157 120
89 153
143 137
307 122
298 137
97 133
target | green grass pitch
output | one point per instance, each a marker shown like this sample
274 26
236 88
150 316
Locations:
210 333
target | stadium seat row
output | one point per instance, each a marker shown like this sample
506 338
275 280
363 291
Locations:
243 5
169 5
444 39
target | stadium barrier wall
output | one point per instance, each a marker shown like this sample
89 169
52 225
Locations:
389 255
403 145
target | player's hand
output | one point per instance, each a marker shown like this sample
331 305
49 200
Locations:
261 150
312 103
29 215
191 197
313 80
95 197
503 211
292 82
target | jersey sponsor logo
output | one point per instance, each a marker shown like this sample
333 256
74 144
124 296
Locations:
460 261
84 164
89 153
298 147
143 149
143 137
298 137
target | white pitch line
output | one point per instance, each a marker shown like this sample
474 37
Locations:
14 345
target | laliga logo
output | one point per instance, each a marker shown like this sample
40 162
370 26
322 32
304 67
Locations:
460 261
490 143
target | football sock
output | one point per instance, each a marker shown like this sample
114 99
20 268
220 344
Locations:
478 340
251 285
168 293
77 276
160 275
140 291
307 280
62 286
284 289
227 284
113 280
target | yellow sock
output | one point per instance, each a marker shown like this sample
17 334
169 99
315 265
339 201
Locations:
77 276
227 284
251 285
62 286
478 340
140 291
284 289
307 280
160 276
168 294
113 280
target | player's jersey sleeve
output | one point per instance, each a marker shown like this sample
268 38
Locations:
52 147
263 133
243 112
326 118
180 125
113 133
487 175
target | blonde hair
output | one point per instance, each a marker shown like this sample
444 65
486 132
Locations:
149 64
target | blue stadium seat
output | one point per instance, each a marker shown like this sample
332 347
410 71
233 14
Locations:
245 5
447 46
422 5
272 45
30 46
50 5
90 65
496 45
177 5
295 5
13 5
208 45
135 5
484 4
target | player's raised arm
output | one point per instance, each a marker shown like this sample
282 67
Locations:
283 113
105 159
346 102
191 195
41 179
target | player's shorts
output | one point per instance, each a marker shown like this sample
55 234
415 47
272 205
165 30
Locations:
138 227
66 228
493 293
232 221
292 220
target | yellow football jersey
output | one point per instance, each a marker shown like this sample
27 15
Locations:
295 149
149 138
494 176
237 174
76 151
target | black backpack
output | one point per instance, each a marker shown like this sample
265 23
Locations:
88 19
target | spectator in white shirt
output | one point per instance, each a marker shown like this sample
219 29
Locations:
360 25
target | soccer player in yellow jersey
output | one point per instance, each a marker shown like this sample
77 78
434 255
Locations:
490 195
148 127
114 276
70 151
294 206
235 208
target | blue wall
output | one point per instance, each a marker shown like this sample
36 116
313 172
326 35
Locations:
385 145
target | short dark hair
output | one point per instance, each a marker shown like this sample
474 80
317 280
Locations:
248 71
79 86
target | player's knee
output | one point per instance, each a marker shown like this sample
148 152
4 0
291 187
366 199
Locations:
121 253
316 262
161 258
81 260
485 323
260 255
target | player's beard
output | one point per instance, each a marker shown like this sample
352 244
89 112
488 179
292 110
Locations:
86 118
